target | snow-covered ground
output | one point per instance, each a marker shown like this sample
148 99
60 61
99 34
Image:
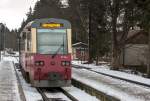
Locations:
31 94
80 94
8 82
57 95
120 89
117 88
106 70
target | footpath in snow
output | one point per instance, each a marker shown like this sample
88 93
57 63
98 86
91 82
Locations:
9 90
30 93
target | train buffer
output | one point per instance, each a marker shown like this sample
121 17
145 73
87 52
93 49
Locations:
9 90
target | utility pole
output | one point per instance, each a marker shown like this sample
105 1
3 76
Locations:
1 28
4 37
19 47
90 32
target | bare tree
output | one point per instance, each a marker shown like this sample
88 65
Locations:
121 14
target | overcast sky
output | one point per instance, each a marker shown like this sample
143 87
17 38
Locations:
12 12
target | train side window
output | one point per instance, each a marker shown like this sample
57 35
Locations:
29 41
24 35
28 45
22 44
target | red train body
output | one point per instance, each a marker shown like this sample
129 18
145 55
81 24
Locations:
41 67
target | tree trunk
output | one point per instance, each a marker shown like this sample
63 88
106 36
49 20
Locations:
115 59
90 60
115 45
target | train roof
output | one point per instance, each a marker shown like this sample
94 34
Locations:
28 25
36 23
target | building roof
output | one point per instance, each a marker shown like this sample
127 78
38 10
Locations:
137 37
133 33
80 44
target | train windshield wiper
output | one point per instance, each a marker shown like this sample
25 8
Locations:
62 45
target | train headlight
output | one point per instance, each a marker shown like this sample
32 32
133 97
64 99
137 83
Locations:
39 63
65 63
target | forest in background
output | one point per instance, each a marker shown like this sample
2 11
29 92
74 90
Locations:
96 22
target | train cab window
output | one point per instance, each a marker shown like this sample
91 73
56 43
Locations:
52 41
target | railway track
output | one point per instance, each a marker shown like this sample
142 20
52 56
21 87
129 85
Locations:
104 96
46 92
92 91
49 94
127 80
45 98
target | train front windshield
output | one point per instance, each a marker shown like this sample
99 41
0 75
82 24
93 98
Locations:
52 41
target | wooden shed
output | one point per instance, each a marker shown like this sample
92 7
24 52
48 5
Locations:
135 51
80 51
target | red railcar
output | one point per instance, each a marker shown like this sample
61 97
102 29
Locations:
45 52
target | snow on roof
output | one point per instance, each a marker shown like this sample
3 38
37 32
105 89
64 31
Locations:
79 43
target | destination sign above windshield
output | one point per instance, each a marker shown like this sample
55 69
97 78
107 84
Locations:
51 25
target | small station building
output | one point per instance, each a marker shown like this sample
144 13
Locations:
135 52
80 51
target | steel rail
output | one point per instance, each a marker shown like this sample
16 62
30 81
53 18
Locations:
68 95
45 98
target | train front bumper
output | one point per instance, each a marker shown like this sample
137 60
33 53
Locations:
51 83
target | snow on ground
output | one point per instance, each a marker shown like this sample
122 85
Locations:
123 90
75 92
105 69
10 57
8 82
120 89
31 94
56 94
80 94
